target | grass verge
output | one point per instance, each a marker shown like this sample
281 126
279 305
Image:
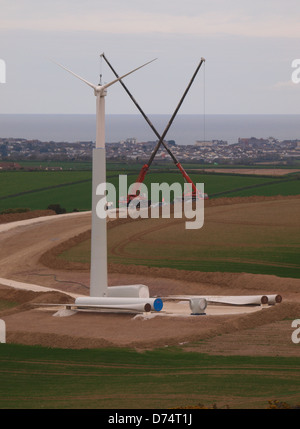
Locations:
35 377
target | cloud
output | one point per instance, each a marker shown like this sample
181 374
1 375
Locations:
249 47
178 18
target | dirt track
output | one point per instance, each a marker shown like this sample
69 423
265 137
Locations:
20 253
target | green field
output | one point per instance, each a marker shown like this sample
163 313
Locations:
35 377
66 165
16 182
72 189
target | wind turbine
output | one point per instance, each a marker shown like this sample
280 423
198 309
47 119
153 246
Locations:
100 92
98 274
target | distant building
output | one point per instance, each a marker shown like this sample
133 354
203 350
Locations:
252 141
131 140
209 143
204 143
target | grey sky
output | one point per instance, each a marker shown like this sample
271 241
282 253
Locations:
249 48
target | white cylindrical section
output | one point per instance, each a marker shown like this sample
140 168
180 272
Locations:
139 304
100 119
98 280
274 299
132 291
2 331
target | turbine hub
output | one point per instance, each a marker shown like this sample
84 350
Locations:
99 90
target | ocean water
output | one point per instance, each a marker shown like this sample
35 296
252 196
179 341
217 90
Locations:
186 129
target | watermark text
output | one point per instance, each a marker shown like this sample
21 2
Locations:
2 71
296 72
2 331
296 332
164 200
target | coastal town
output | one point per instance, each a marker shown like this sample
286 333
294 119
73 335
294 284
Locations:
244 151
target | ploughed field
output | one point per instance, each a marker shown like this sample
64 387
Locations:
259 237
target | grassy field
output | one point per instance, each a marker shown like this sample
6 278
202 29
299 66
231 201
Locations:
66 165
72 189
282 187
34 377
17 181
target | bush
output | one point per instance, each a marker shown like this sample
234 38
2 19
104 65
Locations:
56 208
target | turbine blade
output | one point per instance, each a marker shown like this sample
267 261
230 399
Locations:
119 78
76 75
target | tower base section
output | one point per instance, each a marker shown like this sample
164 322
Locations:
120 303
128 291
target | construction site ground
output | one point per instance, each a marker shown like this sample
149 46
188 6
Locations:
223 330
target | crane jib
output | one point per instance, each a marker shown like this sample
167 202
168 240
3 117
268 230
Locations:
161 138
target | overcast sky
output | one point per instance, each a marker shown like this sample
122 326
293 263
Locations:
249 47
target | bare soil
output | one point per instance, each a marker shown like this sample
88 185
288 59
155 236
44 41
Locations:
263 332
12 217
256 171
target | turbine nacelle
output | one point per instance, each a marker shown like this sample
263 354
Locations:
100 90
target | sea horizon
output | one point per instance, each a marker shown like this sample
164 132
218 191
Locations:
186 129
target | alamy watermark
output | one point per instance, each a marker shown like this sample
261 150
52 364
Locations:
2 71
154 204
296 72
2 331
296 332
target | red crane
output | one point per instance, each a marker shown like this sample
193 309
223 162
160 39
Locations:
145 168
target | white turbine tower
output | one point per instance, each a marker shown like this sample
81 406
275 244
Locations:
98 280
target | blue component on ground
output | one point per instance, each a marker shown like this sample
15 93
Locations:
158 304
